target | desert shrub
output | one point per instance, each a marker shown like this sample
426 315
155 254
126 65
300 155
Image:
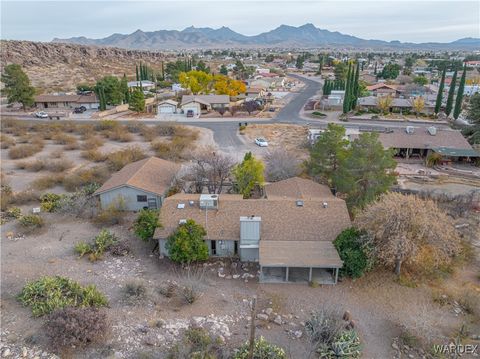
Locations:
197 343
24 197
317 113
72 144
117 160
83 248
119 134
92 142
172 150
146 223
281 164
62 138
186 244
433 159
49 293
49 202
168 289
111 215
469 300
59 165
6 141
56 154
77 327
13 213
135 127
352 253
85 177
331 336
22 151
31 222
261 350
94 155
104 125
34 166
119 249
79 203
134 291
48 181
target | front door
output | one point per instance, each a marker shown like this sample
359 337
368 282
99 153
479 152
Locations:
152 203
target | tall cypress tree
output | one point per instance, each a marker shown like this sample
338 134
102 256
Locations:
163 72
346 99
375 69
136 73
459 99
438 102
451 93
356 87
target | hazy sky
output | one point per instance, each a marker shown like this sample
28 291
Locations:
415 21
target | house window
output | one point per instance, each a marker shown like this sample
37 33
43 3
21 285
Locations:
141 198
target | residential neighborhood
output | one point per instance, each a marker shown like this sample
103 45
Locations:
256 191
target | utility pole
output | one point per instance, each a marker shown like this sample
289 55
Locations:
252 329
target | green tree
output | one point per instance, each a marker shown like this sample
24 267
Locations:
299 62
390 71
113 90
327 153
124 87
101 98
356 87
366 171
320 64
201 66
348 89
473 115
137 75
137 100
84 87
146 223
352 253
451 94
269 58
459 98
248 174
341 71
223 70
420 80
375 69
438 102
17 86
186 244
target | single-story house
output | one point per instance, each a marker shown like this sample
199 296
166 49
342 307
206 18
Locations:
145 84
203 103
67 101
167 106
255 92
141 184
382 89
421 141
397 105
289 232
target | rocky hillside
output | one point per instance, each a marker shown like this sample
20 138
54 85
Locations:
59 67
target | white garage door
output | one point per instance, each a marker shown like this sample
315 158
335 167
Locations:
166 109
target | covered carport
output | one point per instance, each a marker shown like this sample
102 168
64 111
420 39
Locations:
298 262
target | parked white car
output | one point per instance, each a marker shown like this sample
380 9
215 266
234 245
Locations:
261 142
41 114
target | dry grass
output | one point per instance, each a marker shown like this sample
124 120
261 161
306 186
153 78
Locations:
94 155
105 125
92 142
6 141
57 165
119 134
46 182
173 150
83 177
70 142
117 160
23 151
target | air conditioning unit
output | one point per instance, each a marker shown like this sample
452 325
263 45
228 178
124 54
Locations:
209 201
410 129
432 130
182 221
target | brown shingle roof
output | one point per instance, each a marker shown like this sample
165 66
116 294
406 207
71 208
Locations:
150 174
282 219
298 188
299 254
67 98
421 139
206 99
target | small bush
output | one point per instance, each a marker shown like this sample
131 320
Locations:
31 222
135 127
94 155
172 150
111 215
190 294
22 151
6 141
104 125
77 327
317 113
261 350
85 177
47 182
198 343
169 289
49 293
186 244
119 134
24 197
49 202
63 138
350 250
146 223
92 142
13 213
83 248
59 165
34 166
117 160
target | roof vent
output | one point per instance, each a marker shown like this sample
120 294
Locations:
299 203
191 203
325 204
182 221
409 129
181 205
432 130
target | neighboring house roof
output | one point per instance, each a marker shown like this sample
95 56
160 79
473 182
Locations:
144 83
169 102
456 152
67 98
396 102
206 99
297 188
380 86
150 174
281 218
254 90
298 254
422 139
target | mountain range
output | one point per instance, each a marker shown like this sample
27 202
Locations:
284 36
